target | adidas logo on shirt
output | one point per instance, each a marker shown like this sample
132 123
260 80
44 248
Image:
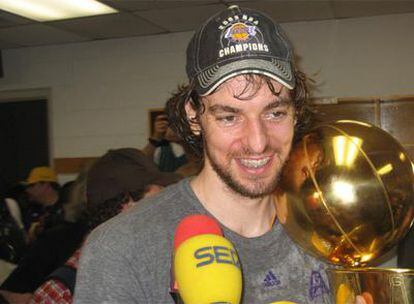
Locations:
271 280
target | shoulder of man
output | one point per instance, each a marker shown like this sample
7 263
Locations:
130 252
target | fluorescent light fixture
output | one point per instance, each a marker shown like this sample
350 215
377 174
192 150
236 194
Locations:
48 10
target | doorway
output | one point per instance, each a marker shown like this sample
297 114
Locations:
24 138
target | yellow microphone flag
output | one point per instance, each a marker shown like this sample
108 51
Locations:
207 270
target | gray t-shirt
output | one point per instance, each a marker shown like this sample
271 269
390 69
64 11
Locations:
128 258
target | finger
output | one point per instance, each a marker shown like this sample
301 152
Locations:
368 297
360 300
161 126
161 122
161 117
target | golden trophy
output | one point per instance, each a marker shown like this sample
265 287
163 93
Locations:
347 197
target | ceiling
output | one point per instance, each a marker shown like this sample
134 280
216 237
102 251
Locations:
139 18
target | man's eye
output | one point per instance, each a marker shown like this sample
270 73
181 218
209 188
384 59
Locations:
229 119
276 114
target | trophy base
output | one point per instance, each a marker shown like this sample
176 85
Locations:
376 285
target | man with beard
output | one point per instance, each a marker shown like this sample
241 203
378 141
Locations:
244 105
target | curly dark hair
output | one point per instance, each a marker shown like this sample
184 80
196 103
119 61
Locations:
99 213
181 124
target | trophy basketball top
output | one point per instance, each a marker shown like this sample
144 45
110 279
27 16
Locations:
346 193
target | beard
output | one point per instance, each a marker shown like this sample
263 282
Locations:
259 188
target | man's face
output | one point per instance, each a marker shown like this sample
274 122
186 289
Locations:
248 133
36 192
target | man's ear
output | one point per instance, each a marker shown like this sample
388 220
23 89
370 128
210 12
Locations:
191 118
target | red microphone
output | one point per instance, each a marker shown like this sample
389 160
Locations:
193 225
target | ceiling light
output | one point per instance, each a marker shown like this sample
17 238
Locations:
48 10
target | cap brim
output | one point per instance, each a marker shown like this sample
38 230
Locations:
281 71
29 183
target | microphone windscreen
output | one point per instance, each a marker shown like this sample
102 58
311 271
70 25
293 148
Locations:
195 224
207 270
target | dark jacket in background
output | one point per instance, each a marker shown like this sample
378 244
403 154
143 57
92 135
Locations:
51 250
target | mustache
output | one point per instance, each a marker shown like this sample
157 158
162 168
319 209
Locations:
246 151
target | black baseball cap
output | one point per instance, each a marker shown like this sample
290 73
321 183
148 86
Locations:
124 170
238 41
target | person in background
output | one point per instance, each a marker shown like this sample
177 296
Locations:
12 236
14 210
43 191
245 104
52 247
115 183
17 193
12 233
167 149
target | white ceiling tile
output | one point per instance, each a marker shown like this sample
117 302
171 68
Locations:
188 3
37 34
291 11
181 19
149 17
130 5
109 26
139 5
347 8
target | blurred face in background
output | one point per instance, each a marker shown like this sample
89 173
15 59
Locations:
37 192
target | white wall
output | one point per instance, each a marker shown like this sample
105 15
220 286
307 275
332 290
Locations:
364 57
100 91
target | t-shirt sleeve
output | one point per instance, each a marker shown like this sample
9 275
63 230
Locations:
106 274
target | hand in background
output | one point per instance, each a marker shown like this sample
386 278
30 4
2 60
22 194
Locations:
159 132
160 127
35 229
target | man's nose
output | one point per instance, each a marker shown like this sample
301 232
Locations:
256 136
